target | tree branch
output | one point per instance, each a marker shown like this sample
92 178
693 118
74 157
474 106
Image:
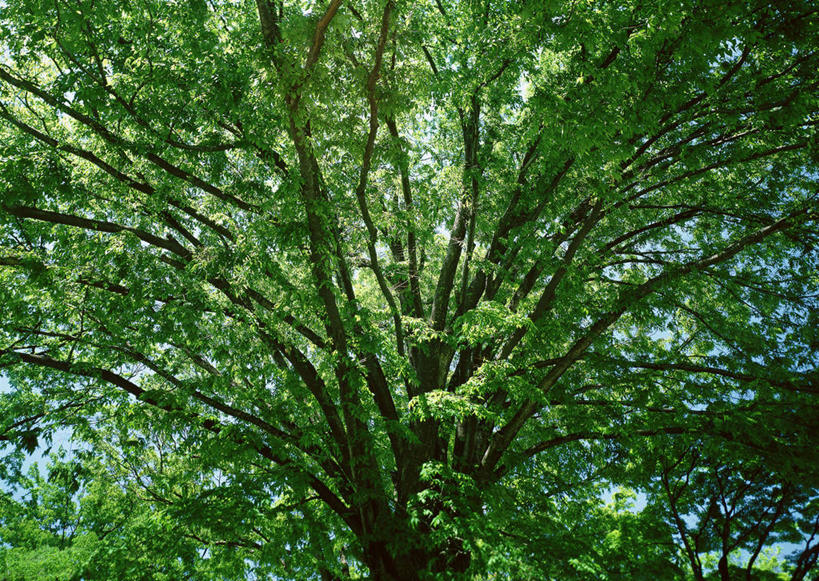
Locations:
503 437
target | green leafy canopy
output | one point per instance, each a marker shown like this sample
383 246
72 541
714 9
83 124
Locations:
405 290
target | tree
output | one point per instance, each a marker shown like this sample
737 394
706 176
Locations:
356 286
722 502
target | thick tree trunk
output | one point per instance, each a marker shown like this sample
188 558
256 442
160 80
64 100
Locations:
419 552
416 564
397 551
385 567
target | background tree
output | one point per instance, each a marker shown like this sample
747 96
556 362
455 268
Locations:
342 280
726 507
73 521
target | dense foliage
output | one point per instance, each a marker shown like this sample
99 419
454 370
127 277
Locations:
403 290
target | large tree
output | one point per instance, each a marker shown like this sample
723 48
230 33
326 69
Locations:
398 289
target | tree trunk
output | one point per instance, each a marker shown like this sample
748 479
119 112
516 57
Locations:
722 566
405 553
416 564
385 567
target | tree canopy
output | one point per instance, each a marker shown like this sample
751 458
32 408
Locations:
405 290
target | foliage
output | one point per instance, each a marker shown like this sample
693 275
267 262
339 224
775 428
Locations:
75 522
399 290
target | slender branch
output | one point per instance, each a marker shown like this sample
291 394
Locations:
547 298
412 251
120 142
98 225
132 183
693 368
209 424
361 189
449 264
319 34
583 436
